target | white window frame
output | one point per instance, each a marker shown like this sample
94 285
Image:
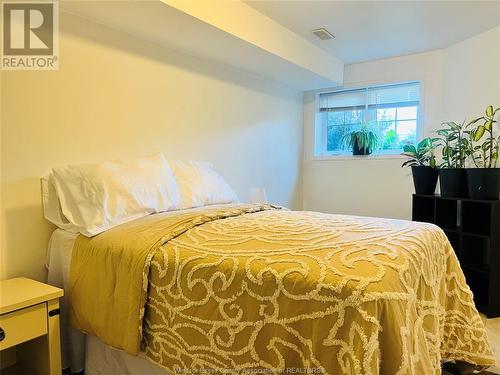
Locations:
320 140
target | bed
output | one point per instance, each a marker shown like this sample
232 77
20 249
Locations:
160 287
257 287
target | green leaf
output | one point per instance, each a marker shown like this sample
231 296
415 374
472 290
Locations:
426 142
410 148
443 132
474 121
489 111
409 163
488 125
478 133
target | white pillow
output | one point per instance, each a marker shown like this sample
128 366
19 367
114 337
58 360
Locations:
52 207
97 197
200 185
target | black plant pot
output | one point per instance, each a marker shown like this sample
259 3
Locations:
484 183
424 179
360 151
453 183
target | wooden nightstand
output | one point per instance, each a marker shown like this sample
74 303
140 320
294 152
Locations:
29 322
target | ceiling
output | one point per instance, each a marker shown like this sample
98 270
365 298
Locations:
370 30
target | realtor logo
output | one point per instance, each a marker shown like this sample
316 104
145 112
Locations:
30 35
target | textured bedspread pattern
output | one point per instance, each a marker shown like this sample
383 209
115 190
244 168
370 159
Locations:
254 287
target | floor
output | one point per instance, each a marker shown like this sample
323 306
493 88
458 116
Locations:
493 328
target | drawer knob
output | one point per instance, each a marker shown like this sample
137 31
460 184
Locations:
2 334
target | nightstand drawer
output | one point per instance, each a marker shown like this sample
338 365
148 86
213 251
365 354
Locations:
23 325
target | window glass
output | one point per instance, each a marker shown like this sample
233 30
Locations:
390 112
407 113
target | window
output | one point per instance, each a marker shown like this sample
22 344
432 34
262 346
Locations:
390 111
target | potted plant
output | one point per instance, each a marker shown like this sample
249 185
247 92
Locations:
362 142
423 165
484 180
455 149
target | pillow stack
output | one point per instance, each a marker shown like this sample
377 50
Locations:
92 198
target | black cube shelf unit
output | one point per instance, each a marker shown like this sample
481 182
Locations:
473 228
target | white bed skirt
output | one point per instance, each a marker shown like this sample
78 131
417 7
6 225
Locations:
102 359
58 262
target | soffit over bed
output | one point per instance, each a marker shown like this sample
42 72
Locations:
213 31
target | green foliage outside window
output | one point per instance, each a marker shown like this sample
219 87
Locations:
394 127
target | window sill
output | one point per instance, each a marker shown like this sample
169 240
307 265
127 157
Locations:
341 157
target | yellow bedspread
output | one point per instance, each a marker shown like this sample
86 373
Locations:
255 287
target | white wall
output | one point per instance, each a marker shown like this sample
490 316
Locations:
117 96
456 82
472 76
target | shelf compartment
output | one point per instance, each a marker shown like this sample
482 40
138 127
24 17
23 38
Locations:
479 284
454 239
476 217
447 214
423 208
475 252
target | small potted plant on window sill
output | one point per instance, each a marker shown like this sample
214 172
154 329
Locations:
484 180
423 165
361 142
455 149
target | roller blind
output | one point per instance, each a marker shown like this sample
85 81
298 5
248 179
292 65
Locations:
343 100
389 96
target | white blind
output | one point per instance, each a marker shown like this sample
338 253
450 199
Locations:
401 95
343 100
389 96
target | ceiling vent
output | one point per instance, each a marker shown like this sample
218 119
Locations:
323 34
